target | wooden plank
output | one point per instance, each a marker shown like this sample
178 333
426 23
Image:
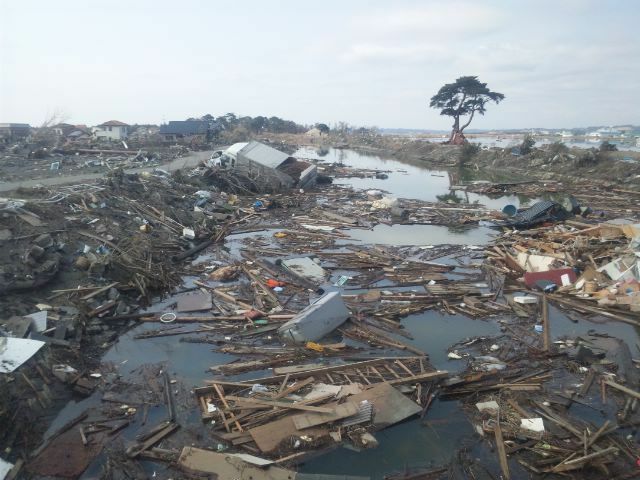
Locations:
292 369
391 371
331 369
375 370
135 450
516 406
421 377
32 219
223 399
594 438
577 463
294 388
307 420
272 403
502 454
284 383
622 388
404 367
223 465
89 296
588 381
269 436
267 291
223 383
362 375
102 308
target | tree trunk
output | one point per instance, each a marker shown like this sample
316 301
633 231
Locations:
467 124
457 138
455 129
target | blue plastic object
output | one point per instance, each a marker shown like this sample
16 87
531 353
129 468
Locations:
510 210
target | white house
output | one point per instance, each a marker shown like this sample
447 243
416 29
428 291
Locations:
111 130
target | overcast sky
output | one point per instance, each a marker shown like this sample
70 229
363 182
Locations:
560 63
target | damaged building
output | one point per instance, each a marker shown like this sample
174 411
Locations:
192 131
14 131
268 166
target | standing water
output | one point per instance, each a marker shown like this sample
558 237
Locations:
405 180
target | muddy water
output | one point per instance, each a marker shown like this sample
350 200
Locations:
421 235
432 441
405 180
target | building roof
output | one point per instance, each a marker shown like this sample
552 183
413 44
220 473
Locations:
113 123
186 127
78 133
14 125
263 154
236 147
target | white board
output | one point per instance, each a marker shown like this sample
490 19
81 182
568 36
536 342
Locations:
5 468
15 351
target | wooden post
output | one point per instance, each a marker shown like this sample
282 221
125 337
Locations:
546 334
502 454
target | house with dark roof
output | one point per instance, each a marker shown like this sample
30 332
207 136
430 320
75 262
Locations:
79 135
63 129
187 130
13 131
111 130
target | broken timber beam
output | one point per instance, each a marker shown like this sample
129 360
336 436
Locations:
622 388
272 403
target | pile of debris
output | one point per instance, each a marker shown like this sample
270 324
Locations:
591 268
312 322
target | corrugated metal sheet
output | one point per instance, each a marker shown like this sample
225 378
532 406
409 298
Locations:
535 211
365 413
262 154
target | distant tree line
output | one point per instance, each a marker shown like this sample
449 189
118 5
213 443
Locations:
259 124
234 128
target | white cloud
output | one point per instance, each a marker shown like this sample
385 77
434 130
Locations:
437 18
394 53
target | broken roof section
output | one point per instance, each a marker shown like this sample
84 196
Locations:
263 154
235 148
258 159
